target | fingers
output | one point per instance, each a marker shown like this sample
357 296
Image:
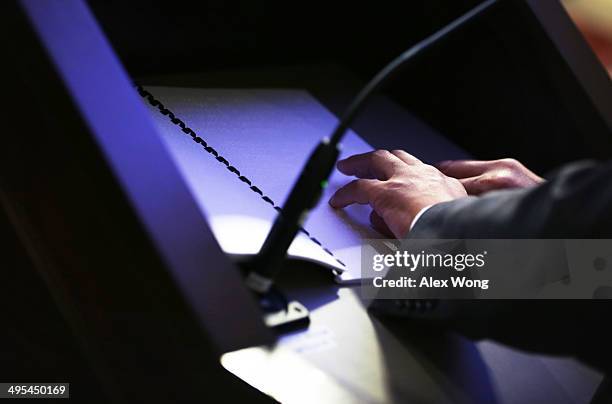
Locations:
464 168
473 185
488 182
479 177
360 191
405 157
379 164
379 225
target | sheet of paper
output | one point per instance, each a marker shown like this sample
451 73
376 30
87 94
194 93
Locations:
267 136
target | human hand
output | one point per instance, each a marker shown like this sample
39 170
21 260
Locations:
479 177
396 185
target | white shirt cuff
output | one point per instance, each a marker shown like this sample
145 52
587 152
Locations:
418 216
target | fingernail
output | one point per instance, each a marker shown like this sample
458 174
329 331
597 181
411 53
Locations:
443 163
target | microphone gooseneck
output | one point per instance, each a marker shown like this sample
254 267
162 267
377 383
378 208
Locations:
388 72
308 188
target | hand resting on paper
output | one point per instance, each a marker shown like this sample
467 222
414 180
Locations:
478 177
398 186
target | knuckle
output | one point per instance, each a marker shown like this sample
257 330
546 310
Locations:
487 180
502 179
506 179
381 154
433 170
509 163
454 182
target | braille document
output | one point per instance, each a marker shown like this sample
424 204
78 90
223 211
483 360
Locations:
240 152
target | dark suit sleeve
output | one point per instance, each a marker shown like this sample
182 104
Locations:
575 203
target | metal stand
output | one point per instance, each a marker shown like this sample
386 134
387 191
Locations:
279 313
282 314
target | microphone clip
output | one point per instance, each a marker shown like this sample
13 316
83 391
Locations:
278 312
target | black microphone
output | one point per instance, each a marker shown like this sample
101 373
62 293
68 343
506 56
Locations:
303 197
307 190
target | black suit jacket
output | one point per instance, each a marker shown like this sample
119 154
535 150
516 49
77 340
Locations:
574 203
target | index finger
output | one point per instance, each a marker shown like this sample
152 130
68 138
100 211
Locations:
358 191
379 164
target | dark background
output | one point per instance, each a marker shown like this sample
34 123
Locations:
499 88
